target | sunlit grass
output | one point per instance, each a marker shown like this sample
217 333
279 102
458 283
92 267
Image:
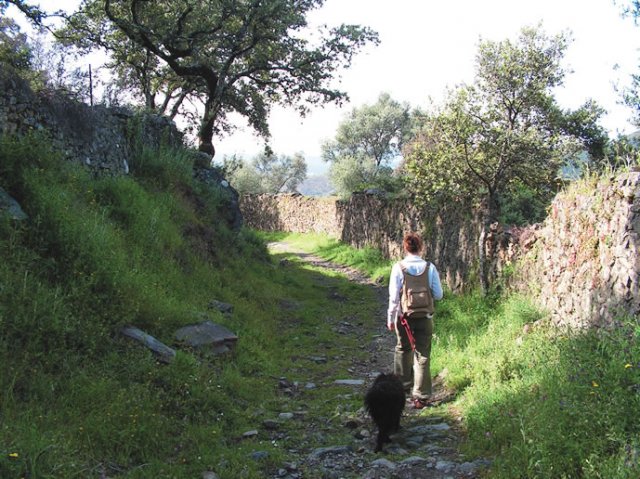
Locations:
368 260
540 402
77 399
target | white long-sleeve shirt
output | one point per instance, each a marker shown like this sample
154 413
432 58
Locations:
415 266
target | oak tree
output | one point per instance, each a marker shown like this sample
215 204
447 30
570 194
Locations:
505 129
366 143
234 56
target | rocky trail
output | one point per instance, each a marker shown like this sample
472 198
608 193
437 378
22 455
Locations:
427 445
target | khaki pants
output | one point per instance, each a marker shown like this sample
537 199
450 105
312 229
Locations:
414 368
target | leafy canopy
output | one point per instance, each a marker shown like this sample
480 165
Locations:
366 143
266 173
506 128
233 56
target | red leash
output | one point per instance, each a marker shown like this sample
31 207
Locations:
412 340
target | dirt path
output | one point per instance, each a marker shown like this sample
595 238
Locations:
427 446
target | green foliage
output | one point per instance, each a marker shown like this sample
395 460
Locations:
34 59
503 129
368 260
540 402
523 205
266 173
366 143
166 168
14 48
230 57
622 153
517 380
80 400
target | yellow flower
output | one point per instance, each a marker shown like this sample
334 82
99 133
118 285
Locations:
13 455
627 366
594 384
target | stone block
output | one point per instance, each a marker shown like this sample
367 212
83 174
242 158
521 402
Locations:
207 337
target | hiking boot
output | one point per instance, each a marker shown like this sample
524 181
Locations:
420 403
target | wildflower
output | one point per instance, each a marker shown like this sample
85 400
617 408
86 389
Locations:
14 455
627 366
594 384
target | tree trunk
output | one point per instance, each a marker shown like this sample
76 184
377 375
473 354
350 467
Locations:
205 134
489 211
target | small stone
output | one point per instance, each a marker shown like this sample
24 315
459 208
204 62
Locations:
414 460
384 463
349 382
259 455
445 466
325 451
224 308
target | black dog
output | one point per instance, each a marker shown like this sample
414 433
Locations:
384 402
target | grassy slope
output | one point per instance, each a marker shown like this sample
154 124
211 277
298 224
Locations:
77 399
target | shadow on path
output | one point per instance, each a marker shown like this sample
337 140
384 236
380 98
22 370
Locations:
428 444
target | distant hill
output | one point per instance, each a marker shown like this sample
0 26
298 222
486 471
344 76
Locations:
316 185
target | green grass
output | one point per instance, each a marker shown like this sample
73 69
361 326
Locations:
368 260
77 399
541 402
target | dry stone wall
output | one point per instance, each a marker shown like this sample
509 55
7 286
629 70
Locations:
94 135
581 264
291 212
370 220
100 138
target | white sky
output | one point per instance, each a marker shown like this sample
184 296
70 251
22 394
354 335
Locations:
427 46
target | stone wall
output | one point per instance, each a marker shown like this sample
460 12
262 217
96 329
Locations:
97 136
370 220
291 212
581 264
100 138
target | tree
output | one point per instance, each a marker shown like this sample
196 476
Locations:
14 48
504 130
366 143
236 56
266 173
32 12
280 173
630 95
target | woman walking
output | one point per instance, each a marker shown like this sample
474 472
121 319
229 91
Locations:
413 286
